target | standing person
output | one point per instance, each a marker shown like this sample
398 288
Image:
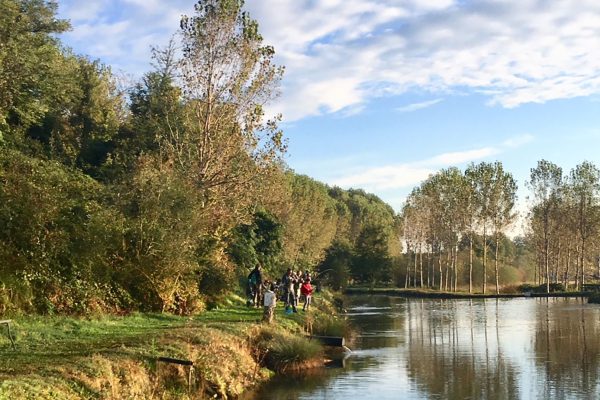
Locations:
269 302
287 281
297 283
255 283
306 275
307 292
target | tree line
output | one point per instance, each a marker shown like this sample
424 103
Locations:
455 223
161 194
452 209
565 220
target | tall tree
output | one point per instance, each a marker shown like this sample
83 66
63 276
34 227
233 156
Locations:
29 61
501 204
227 76
482 175
546 185
584 182
201 172
469 207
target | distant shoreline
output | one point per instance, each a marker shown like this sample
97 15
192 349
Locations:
429 294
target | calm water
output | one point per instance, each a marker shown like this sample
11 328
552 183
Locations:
461 349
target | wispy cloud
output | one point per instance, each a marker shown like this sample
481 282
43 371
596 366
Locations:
518 141
418 106
513 52
406 175
388 177
121 32
460 157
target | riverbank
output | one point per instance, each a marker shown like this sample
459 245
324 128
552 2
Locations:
434 294
112 357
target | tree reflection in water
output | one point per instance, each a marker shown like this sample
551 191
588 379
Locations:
462 349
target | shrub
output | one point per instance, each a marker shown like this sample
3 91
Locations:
511 289
327 325
554 287
594 298
284 352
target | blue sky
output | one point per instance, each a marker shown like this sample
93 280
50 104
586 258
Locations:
380 93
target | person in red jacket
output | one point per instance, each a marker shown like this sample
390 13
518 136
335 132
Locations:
306 289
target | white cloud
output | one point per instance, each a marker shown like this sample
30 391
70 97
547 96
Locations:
388 177
460 157
409 174
341 53
121 32
518 141
515 52
83 10
406 175
418 106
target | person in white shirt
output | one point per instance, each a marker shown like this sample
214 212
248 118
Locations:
269 303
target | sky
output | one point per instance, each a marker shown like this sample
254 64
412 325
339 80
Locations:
378 94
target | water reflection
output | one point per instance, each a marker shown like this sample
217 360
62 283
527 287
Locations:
461 349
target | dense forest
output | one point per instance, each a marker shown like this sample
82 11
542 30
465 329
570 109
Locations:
163 194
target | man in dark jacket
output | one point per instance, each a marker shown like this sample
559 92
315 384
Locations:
255 285
288 281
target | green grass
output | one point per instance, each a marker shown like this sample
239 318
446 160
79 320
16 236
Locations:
80 357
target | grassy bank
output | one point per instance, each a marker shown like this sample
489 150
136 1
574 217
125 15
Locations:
111 357
435 294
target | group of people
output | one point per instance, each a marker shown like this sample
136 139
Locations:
292 288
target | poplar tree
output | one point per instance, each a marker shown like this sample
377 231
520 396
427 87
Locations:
502 203
546 185
584 182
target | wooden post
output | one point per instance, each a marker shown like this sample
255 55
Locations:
7 322
185 363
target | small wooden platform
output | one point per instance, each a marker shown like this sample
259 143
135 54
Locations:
7 322
330 340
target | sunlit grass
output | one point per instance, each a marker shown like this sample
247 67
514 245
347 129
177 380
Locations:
79 356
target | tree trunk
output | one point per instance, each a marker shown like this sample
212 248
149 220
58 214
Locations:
547 262
451 269
471 264
407 276
566 281
429 266
577 268
556 273
537 264
415 269
448 262
496 263
484 259
455 267
582 262
440 265
421 264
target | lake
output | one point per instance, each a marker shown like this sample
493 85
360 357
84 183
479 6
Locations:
533 348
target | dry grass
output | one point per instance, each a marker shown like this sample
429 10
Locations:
284 352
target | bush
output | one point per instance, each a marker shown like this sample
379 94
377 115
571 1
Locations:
511 289
282 351
594 298
554 287
327 325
